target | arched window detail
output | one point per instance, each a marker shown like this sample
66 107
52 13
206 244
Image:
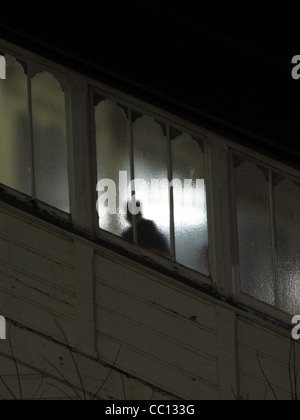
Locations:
151 172
15 143
268 219
287 218
190 210
49 141
113 161
33 146
254 233
151 185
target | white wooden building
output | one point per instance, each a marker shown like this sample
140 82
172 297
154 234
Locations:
90 315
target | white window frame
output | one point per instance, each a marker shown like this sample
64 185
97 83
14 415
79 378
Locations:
275 167
221 212
170 121
34 65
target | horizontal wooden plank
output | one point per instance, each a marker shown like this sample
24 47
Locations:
40 386
266 341
37 317
56 246
30 387
8 367
260 367
152 289
253 390
153 371
34 264
36 354
156 319
21 286
168 353
55 292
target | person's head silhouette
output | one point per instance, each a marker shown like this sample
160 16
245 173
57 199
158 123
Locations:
133 207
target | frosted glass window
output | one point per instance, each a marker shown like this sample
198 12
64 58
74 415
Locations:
49 141
113 166
151 186
190 213
15 150
254 232
287 216
268 215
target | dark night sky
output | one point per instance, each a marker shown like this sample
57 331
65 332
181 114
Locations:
231 62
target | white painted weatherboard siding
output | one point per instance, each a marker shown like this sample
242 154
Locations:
164 335
171 340
273 351
37 284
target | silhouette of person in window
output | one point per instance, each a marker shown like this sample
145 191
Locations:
148 235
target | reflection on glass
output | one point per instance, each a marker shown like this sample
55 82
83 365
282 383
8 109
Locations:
287 216
112 162
151 175
50 146
254 232
190 213
15 154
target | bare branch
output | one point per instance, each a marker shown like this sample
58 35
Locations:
16 364
39 387
123 384
61 390
293 371
8 389
234 394
290 370
266 378
63 376
74 361
295 374
108 375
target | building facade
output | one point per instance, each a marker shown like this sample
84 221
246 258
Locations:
92 314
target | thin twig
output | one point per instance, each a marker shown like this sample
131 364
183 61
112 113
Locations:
73 358
63 376
41 396
18 374
123 384
8 389
61 390
265 399
293 370
16 364
266 378
295 373
290 370
39 387
108 375
234 394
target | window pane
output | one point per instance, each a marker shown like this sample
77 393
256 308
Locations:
254 232
190 214
112 162
50 145
152 187
15 154
287 213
